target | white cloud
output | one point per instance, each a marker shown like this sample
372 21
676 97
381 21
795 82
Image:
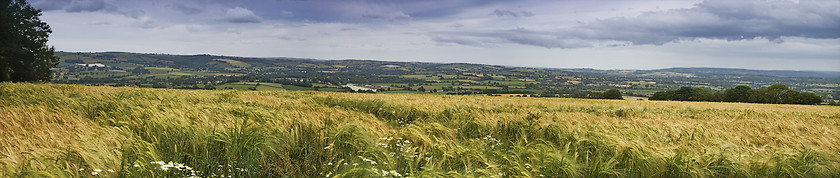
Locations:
241 15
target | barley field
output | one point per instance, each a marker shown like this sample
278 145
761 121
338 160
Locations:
49 130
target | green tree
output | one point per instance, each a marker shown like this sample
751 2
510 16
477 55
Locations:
140 70
778 93
807 98
737 94
685 94
24 54
595 95
663 95
612 94
609 94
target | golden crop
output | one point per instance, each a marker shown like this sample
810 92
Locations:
70 130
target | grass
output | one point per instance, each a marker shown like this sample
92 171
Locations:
73 131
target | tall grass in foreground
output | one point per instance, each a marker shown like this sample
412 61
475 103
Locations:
78 131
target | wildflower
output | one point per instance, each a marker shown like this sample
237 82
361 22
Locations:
395 173
94 173
97 170
81 169
136 165
110 170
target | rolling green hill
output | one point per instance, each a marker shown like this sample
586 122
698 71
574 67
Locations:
219 72
87 131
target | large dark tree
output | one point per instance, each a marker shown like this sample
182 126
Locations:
24 54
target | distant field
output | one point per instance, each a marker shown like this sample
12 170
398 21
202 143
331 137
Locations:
73 131
235 62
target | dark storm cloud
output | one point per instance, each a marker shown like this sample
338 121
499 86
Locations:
508 13
713 19
48 5
390 17
86 6
90 6
517 36
359 11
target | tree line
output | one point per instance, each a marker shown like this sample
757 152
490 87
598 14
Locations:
774 94
609 94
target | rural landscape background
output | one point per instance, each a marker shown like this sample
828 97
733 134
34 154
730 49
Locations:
101 88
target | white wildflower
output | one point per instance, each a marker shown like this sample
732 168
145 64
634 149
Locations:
395 173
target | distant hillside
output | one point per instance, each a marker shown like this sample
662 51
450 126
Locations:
231 72
204 60
730 71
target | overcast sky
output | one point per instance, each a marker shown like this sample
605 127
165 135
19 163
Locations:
601 34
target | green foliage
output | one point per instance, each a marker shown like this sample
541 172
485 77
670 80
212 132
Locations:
140 70
775 94
737 94
609 94
24 54
686 94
